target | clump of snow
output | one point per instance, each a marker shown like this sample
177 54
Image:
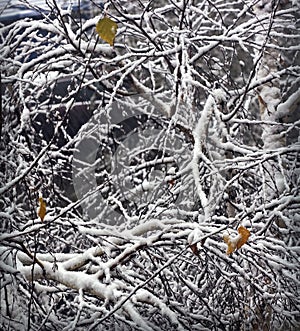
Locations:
194 236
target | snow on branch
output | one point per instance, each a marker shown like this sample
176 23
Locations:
148 152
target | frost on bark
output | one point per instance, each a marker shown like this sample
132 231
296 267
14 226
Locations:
278 105
270 60
134 238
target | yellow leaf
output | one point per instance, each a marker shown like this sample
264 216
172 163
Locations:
237 241
231 244
42 209
107 29
244 233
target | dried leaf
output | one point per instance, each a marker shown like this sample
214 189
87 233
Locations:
107 29
194 249
42 209
244 233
